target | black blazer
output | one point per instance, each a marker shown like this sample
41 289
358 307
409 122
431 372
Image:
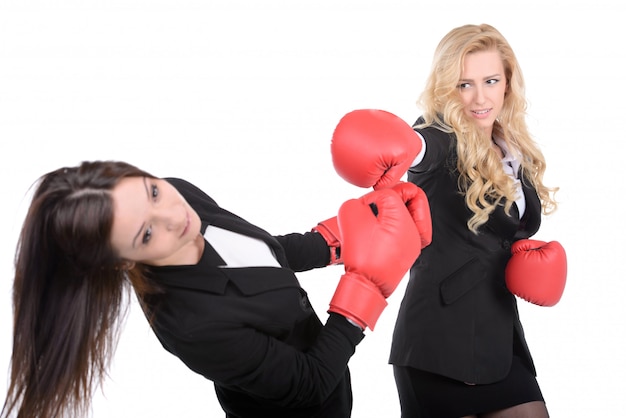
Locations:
252 331
457 318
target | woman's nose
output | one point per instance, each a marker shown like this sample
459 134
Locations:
172 217
480 95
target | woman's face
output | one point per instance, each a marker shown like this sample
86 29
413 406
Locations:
482 87
152 223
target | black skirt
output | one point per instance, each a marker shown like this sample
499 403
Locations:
427 395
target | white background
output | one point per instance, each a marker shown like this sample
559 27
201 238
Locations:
241 97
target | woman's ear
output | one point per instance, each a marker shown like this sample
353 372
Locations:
126 265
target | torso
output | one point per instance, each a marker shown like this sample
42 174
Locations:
457 283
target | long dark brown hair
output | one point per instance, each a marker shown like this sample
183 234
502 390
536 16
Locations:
68 292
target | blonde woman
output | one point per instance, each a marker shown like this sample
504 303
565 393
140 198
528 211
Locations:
458 347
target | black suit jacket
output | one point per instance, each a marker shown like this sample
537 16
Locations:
457 317
252 331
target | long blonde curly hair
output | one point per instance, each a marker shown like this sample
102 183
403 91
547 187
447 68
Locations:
481 176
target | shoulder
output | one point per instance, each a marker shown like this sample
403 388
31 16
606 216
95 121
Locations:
189 190
440 145
433 131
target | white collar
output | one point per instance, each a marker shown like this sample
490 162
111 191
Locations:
511 157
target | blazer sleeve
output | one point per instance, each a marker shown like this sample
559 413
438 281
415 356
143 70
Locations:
305 251
270 369
438 150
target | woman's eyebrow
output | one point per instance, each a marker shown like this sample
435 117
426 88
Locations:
145 183
466 80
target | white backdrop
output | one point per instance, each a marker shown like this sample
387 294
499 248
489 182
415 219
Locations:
241 97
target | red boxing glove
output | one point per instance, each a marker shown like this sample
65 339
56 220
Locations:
380 243
373 148
417 203
329 229
537 271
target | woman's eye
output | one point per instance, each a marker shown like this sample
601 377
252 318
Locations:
464 85
147 235
492 81
155 191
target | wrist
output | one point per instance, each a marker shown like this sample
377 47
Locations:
355 324
358 300
329 230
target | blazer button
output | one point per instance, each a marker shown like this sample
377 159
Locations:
304 304
506 244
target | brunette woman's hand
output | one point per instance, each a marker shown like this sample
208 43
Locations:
381 241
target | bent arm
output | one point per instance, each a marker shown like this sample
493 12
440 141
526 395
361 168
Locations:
269 369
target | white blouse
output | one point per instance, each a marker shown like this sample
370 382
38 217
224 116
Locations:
511 164
238 250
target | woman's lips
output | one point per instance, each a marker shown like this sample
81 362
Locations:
186 226
481 114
